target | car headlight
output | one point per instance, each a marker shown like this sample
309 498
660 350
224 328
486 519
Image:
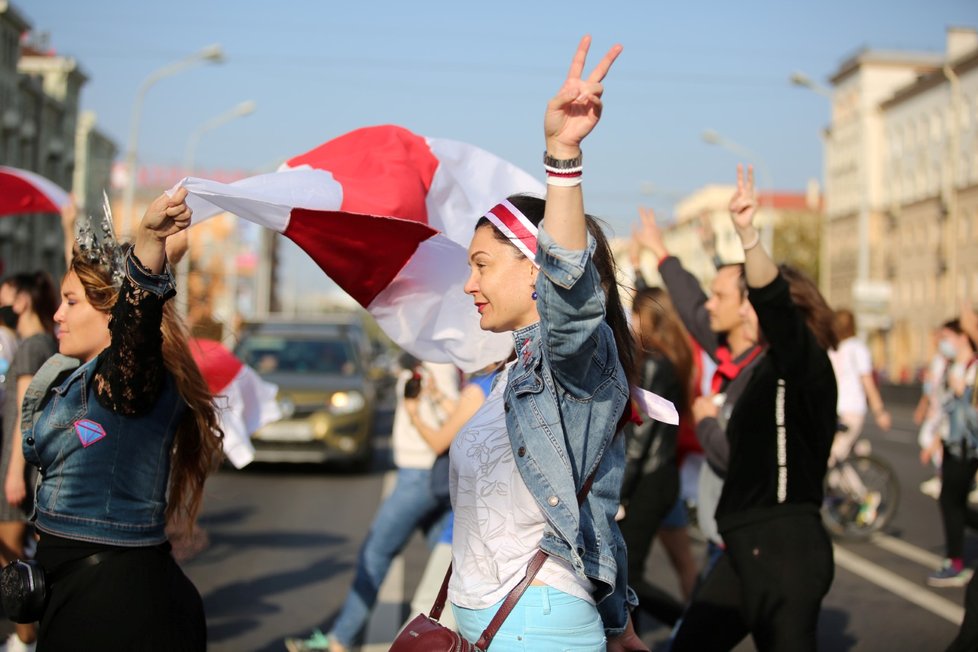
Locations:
346 402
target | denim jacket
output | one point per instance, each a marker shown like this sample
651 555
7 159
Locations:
565 394
103 475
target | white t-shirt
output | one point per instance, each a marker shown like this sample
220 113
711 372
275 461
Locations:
411 451
851 362
498 524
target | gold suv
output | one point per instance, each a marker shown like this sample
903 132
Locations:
326 394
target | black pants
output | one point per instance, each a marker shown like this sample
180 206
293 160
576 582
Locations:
769 583
957 475
653 498
138 600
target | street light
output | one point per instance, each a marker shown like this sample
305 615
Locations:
213 54
244 108
804 81
240 110
711 137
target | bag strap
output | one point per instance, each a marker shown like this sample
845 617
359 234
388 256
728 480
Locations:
536 563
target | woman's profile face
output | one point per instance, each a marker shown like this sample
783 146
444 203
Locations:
501 282
83 330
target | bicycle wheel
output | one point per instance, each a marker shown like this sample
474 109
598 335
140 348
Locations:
864 500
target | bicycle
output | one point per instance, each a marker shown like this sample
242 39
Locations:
861 496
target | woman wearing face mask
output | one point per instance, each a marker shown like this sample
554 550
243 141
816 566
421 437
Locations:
33 300
8 336
960 454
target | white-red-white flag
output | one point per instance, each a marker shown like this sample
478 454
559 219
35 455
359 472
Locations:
244 401
23 191
388 215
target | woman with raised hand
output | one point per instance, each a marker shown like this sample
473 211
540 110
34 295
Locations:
777 565
123 430
539 466
33 299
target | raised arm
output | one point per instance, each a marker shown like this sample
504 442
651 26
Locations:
759 269
129 374
570 117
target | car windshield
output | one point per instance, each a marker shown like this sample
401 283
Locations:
279 354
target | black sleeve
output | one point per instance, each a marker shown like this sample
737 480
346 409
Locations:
658 377
793 348
690 302
129 374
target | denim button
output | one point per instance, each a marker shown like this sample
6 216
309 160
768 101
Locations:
553 500
29 441
522 451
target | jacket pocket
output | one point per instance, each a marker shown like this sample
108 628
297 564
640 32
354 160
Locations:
70 403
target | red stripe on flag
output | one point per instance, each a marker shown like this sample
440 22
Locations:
514 224
384 170
17 195
217 365
361 253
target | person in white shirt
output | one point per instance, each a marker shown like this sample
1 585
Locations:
410 505
854 377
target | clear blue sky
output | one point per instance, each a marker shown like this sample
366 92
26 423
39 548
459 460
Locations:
482 73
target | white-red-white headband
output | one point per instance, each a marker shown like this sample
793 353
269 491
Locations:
516 227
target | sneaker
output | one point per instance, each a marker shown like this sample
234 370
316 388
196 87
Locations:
948 575
869 509
318 641
14 644
931 487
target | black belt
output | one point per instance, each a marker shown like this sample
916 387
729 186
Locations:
69 567
94 559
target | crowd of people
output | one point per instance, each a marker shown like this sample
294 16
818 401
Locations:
538 484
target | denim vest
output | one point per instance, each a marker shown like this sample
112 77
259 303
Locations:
103 476
565 394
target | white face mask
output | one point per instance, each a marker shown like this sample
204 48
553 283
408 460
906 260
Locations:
947 349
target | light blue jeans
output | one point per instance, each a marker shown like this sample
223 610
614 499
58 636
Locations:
543 619
409 506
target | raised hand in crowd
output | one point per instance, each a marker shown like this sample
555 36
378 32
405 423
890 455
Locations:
165 216
570 116
759 269
648 235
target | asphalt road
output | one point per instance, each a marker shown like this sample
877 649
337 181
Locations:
284 540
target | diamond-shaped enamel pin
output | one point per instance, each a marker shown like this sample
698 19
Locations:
89 432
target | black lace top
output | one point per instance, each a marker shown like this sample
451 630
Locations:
129 374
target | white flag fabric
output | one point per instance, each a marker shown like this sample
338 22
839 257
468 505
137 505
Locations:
388 215
244 401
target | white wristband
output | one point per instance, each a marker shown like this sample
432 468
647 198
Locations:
564 182
753 243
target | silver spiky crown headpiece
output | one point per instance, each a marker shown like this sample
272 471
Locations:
97 244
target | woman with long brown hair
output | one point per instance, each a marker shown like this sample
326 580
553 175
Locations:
124 433
650 485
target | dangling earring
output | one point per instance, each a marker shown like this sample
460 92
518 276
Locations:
534 295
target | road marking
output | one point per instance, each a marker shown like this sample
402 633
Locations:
899 586
908 551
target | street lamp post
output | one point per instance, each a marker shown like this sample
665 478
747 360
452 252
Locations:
711 137
212 53
240 110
